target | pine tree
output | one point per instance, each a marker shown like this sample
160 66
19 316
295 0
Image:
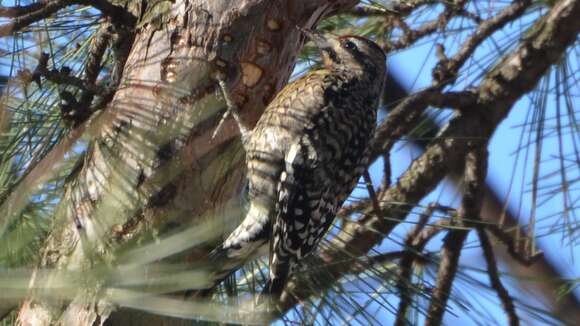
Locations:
113 188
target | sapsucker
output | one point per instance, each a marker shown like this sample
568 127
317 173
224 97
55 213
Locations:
305 156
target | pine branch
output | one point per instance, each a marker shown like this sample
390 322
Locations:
398 8
31 14
515 245
446 70
415 242
64 77
21 10
119 16
23 16
474 178
492 272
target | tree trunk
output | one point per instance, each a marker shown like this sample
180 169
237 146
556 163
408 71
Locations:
151 159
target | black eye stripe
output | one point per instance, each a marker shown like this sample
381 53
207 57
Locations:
332 54
361 40
350 45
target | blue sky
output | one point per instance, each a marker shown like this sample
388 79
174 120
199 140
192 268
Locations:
413 70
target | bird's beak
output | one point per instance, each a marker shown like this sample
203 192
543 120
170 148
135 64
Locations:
320 40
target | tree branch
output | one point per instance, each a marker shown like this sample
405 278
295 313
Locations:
515 245
119 16
398 8
494 279
23 16
96 52
63 77
414 244
410 36
407 114
31 14
474 179
21 10
446 70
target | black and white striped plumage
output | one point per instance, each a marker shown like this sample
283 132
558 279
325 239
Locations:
305 156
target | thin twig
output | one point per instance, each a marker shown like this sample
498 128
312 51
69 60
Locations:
93 66
415 242
474 178
410 36
494 279
452 247
21 10
406 267
515 247
371 191
399 8
63 77
232 109
24 16
31 14
386 182
446 70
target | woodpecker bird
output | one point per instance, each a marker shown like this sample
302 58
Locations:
305 156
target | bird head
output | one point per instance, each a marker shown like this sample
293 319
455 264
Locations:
349 53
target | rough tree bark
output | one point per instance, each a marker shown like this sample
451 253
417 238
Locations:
151 156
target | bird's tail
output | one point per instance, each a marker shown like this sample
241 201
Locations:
274 288
220 267
247 242
276 283
222 264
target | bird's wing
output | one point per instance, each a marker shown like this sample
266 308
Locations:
302 214
320 171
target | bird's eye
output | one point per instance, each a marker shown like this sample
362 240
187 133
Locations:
349 45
